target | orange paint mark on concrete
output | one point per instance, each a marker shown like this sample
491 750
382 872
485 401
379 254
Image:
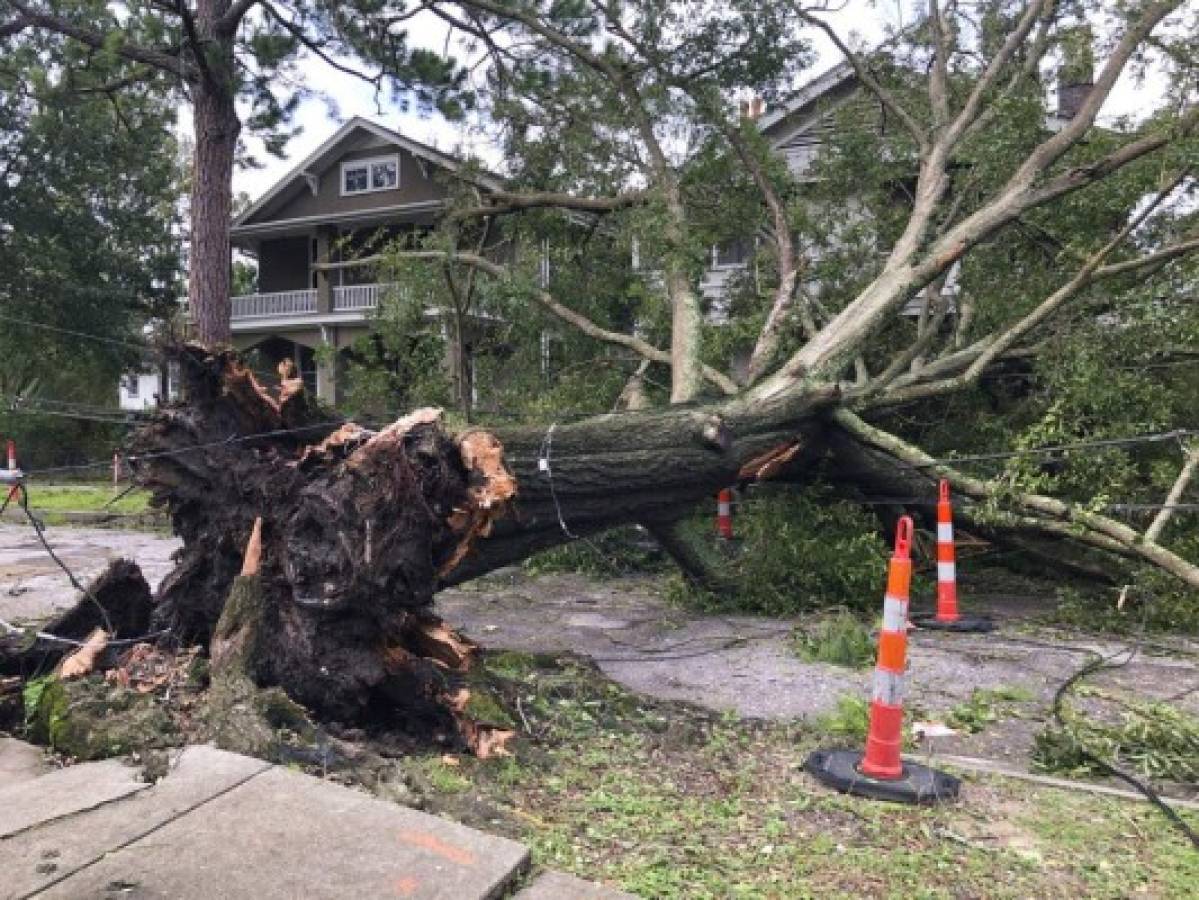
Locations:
436 845
406 886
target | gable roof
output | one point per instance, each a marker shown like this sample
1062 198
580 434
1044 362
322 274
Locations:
327 152
840 74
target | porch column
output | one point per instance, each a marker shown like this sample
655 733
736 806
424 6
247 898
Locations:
324 278
326 366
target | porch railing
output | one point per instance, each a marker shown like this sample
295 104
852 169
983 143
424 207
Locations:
280 303
358 296
349 298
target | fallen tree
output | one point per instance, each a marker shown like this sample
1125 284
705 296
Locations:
361 527
353 530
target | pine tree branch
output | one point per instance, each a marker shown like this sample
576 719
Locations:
317 48
231 20
98 40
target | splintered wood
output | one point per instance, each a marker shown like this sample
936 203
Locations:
253 557
83 661
768 464
434 640
491 488
484 739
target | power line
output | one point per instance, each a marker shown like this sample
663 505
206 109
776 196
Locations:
39 529
43 326
1154 438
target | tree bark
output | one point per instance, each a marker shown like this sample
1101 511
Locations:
216 126
360 528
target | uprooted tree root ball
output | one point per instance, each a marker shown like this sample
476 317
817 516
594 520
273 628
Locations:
313 546
355 527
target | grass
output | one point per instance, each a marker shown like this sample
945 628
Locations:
50 501
986 706
665 800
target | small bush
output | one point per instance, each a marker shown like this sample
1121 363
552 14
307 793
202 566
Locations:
797 551
985 707
619 551
840 639
850 720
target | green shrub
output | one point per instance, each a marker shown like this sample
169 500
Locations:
619 551
841 639
849 721
797 551
984 707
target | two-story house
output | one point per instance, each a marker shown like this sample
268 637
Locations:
364 184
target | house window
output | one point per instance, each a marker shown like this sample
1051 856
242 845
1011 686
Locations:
132 385
363 176
732 254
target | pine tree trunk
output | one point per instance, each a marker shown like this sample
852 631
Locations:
216 125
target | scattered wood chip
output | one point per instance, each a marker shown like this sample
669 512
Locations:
448 759
491 742
144 668
932 730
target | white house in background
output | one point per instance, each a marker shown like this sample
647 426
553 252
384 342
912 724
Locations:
141 390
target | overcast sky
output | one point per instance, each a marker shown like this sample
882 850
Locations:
864 20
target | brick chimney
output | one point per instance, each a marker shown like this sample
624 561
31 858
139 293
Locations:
1076 77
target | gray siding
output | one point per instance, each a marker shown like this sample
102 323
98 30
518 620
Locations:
418 184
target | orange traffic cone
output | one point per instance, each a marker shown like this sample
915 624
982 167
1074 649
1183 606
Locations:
880 772
12 476
948 618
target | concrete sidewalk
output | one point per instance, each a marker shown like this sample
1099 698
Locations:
219 825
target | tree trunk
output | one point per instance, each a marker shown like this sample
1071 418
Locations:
217 126
360 528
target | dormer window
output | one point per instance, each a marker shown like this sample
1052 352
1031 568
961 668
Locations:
362 176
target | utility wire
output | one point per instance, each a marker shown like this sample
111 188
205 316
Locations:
43 326
39 530
1154 438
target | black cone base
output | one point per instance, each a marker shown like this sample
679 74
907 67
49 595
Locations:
838 769
962 623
